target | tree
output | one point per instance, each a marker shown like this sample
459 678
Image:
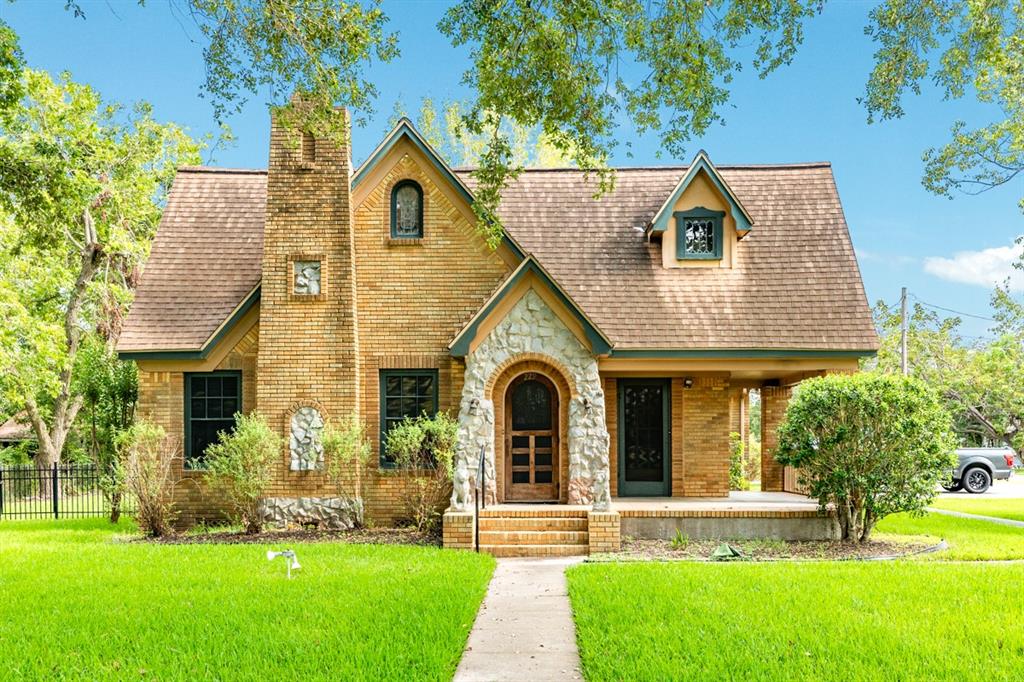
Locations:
81 188
867 445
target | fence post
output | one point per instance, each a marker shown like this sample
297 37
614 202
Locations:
1 491
54 492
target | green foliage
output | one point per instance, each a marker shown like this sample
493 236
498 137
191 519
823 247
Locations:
962 47
680 540
737 460
425 447
147 462
348 454
869 444
241 466
555 65
138 610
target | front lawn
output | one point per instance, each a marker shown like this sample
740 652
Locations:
76 604
1004 508
968 539
799 621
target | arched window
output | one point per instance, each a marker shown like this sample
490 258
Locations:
407 210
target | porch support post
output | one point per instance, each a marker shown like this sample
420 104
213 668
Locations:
774 400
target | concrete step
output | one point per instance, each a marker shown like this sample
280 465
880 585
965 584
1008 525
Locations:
534 550
533 537
522 523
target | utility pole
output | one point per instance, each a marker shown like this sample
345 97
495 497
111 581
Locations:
903 332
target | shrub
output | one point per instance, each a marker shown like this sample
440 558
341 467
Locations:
869 444
752 460
737 477
146 469
348 453
425 446
240 465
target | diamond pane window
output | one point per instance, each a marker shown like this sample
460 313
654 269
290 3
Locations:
407 211
307 277
699 234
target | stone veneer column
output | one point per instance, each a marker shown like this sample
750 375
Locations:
774 400
531 330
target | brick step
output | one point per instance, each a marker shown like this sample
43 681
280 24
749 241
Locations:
520 524
552 511
534 550
533 537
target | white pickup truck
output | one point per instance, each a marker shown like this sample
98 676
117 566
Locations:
978 467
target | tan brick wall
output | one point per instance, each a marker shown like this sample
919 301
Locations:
162 401
774 400
604 532
458 530
704 425
611 413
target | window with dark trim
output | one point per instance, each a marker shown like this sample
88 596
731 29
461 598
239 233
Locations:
407 210
699 234
211 401
404 393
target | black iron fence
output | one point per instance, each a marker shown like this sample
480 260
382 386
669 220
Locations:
57 491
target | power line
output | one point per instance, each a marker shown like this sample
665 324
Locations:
950 310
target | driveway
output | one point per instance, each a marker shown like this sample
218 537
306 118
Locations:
1012 489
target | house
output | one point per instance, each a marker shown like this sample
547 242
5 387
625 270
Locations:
15 431
599 357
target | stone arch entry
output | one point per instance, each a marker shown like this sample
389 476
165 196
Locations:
531 439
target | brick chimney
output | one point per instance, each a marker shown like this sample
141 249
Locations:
308 354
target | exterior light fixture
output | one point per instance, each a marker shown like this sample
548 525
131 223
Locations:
688 382
289 556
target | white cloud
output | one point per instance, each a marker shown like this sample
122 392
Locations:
889 259
985 268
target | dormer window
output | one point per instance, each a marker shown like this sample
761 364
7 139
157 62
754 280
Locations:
699 234
407 211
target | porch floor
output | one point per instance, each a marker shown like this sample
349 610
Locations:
737 503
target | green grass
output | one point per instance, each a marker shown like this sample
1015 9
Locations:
77 605
1004 508
968 539
799 621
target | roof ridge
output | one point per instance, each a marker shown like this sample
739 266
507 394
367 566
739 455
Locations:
215 169
728 166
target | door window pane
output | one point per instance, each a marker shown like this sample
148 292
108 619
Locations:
531 406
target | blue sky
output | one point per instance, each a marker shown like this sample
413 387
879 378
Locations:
944 251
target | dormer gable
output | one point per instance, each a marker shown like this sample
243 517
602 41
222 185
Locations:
701 221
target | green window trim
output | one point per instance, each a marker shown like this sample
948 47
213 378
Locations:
394 209
193 461
417 396
715 217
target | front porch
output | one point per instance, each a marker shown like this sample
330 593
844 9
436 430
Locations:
522 529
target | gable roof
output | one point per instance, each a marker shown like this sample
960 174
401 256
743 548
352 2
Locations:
700 163
599 343
796 288
204 264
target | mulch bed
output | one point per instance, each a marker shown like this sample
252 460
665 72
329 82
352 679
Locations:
360 536
769 550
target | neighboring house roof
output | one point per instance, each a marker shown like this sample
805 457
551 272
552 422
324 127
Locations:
205 261
16 429
796 287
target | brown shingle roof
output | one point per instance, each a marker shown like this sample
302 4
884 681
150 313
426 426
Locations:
796 284
205 260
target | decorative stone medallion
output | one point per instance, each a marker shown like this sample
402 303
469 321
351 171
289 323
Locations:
305 443
307 277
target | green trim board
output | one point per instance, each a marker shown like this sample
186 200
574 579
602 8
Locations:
754 353
244 307
702 163
645 488
700 212
187 393
599 343
383 397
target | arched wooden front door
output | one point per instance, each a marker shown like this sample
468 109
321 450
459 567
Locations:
531 439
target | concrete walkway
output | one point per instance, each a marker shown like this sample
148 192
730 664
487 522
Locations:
524 630
978 517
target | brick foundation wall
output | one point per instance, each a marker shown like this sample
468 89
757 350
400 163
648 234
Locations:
458 530
603 532
774 400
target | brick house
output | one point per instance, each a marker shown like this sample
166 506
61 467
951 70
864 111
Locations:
603 352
